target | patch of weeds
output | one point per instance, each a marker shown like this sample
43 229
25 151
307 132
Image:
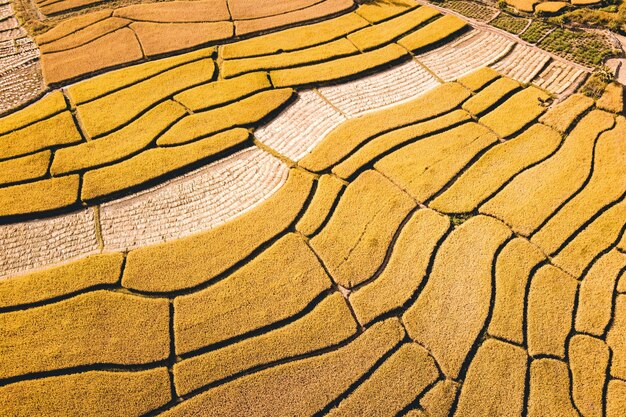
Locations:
536 31
596 83
577 45
470 9
459 219
511 24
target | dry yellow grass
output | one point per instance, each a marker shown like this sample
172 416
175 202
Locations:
586 2
69 26
378 10
103 84
433 33
550 311
424 167
615 398
54 131
106 113
319 53
561 116
161 38
550 386
495 381
274 286
589 362
119 144
245 112
61 280
189 261
85 35
40 196
513 268
387 141
606 185
479 78
551 6
338 68
328 188
316 11
296 38
155 163
386 394
301 387
461 277
534 194
596 237
96 327
616 339
374 36
612 99
89 394
98 55
340 142
495 168
438 401
49 105
405 270
490 95
25 168
219 92
523 5
328 324
516 113
354 242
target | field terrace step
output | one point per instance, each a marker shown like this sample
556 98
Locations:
523 63
198 201
38 243
354 133
151 268
380 90
375 207
424 167
137 392
21 78
107 327
559 77
90 43
331 373
527 201
328 324
457 276
476 49
604 186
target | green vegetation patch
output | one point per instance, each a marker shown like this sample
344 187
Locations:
510 23
470 9
577 45
536 31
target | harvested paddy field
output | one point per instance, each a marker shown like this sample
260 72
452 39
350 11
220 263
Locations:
308 208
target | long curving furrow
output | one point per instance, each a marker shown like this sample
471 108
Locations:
474 50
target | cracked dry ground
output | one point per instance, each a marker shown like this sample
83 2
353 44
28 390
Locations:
340 218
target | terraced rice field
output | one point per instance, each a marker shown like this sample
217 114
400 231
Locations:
328 209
